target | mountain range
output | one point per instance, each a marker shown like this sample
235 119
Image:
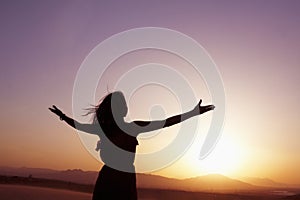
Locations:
209 183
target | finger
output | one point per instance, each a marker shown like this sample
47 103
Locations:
55 107
210 107
200 101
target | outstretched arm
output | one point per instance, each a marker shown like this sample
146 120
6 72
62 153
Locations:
146 126
88 128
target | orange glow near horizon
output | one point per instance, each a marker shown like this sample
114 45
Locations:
225 159
255 45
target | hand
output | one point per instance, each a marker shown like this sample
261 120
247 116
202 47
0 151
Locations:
56 111
203 109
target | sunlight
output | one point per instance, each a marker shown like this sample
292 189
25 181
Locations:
228 158
225 158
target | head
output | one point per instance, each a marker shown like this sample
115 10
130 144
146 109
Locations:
112 109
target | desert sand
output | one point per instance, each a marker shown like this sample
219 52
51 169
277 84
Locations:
20 192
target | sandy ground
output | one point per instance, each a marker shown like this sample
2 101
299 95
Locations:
19 192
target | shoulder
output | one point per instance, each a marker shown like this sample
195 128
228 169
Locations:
134 128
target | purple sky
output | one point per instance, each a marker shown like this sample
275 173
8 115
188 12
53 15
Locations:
254 43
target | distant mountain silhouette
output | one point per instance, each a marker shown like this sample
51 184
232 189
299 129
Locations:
216 182
208 183
265 182
74 175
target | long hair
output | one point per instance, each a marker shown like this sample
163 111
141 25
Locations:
112 106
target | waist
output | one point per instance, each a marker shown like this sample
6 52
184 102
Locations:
109 168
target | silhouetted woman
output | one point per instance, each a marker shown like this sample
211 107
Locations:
117 137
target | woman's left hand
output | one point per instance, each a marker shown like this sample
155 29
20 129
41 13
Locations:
203 109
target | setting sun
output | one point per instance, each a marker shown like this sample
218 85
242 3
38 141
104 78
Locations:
225 158
61 127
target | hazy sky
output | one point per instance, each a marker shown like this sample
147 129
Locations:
255 45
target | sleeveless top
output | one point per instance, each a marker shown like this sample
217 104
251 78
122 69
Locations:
117 148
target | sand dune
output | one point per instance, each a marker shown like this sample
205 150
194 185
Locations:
20 192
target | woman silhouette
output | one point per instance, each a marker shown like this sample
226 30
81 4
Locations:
114 132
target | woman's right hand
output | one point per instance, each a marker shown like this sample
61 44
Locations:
56 111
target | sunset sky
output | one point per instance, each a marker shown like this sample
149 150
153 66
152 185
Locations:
255 45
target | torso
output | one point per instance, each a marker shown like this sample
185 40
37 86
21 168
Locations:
118 149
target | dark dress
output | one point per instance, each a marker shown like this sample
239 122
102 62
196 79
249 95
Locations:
113 183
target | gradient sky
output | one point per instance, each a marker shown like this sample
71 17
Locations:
255 45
